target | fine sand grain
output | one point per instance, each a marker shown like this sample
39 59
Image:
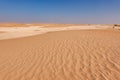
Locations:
1 32
65 55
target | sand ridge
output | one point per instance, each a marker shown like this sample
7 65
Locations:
49 24
17 32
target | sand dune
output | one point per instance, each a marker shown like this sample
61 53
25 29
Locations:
49 25
17 32
64 55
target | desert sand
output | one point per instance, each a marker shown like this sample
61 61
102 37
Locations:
23 31
49 24
66 54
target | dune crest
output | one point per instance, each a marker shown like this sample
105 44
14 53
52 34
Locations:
17 32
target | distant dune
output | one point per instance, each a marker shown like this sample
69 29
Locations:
47 24
89 54
33 24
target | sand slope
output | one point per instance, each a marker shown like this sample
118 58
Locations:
17 32
66 55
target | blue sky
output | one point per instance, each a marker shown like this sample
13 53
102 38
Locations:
60 11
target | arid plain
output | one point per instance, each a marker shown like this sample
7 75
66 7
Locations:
59 52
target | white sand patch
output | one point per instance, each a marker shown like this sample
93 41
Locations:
17 32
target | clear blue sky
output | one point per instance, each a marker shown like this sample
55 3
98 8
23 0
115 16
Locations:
60 11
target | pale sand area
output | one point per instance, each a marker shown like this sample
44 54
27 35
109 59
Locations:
63 55
17 32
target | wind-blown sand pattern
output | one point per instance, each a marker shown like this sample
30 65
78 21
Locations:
64 55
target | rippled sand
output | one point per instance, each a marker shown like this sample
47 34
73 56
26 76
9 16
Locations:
64 55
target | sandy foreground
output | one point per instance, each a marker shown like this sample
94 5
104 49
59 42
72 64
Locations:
60 54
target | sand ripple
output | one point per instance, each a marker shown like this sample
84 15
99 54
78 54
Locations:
67 55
